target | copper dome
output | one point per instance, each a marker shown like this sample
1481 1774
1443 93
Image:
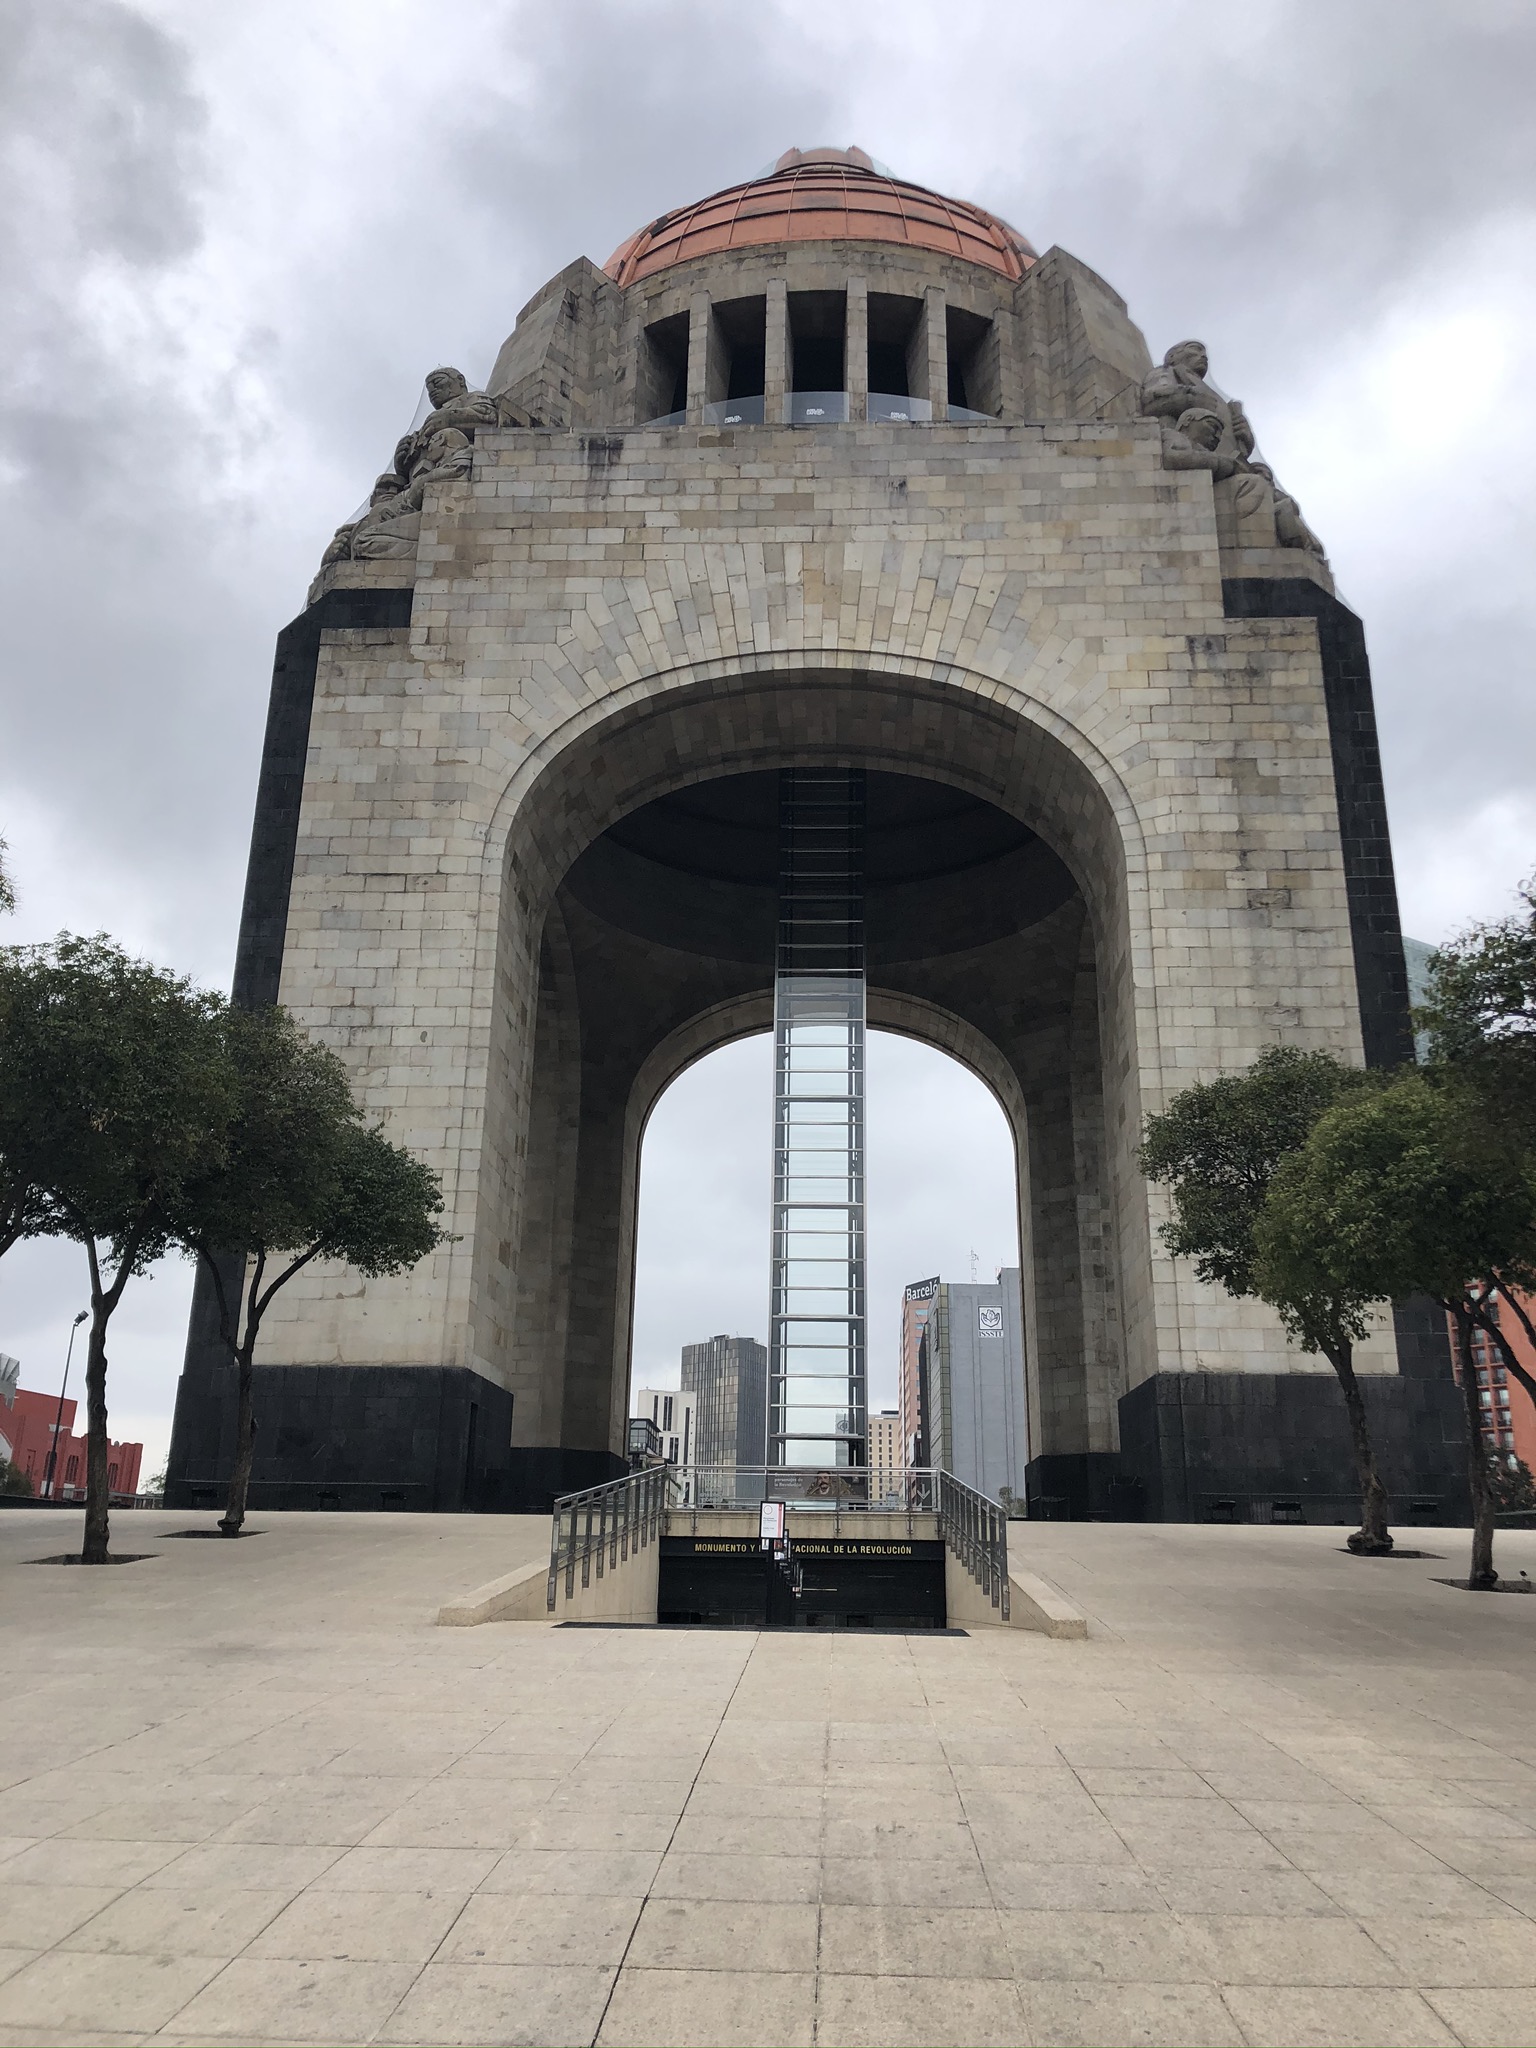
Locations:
823 195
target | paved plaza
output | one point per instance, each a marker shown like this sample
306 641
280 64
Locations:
253 1794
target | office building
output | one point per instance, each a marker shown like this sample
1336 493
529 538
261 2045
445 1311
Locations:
675 1415
887 1456
728 1377
964 1397
1509 1418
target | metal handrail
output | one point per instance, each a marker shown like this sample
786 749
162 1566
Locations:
606 1523
602 1525
972 1524
976 1529
834 1486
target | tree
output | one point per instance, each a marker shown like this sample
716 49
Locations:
1481 1016
115 1090
1514 1489
7 886
1398 1192
1482 993
302 1178
1219 1146
23 1205
12 1478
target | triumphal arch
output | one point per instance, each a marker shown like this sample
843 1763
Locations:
824 473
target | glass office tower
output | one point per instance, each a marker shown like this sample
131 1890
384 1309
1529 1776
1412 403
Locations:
818 1407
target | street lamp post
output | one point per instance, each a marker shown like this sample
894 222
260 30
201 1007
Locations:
58 1421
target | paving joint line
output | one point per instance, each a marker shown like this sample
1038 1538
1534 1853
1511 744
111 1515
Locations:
693 1784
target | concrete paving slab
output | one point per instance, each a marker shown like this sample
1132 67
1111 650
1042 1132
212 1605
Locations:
264 1999
1273 1797
1292 2017
89 1994
508 2005
710 2009
913 2012
1492 2019
558 1929
178 1923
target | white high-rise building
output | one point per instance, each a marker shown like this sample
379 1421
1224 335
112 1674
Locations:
676 1415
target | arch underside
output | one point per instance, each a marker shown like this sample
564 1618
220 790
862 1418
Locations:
1015 967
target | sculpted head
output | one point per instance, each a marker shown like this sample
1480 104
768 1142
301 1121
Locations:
387 486
442 385
1203 428
1189 356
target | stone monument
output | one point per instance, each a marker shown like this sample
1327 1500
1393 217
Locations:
825 472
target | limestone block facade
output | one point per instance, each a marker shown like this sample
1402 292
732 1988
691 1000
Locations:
1013 601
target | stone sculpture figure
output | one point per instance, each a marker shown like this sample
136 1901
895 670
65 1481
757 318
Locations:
1180 384
455 409
455 405
388 531
1203 430
1200 439
438 451
443 458
1291 530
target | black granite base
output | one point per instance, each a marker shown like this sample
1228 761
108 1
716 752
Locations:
1082 1486
424 1438
538 1472
1274 1447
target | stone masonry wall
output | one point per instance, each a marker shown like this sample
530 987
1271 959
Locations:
1033 612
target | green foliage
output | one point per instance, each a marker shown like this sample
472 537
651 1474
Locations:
114 1091
137 1112
300 1172
7 887
302 1177
1482 994
1219 1144
388 1203
13 1479
1222 1147
1395 1193
1514 1491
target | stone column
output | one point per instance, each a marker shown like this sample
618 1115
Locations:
776 354
936 336
856 349
698 357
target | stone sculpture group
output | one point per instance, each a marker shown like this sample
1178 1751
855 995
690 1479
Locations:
438 451
1203 430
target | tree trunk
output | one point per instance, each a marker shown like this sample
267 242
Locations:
1373 1538
245 1442
97 1498
1480 1574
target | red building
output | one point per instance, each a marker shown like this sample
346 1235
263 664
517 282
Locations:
918 1303
1509 1416
26 1433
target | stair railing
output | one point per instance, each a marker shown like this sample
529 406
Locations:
976 1529
600 1527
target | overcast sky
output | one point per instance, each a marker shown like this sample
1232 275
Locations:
233 238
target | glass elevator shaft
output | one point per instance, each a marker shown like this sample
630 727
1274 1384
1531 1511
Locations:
817 1399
